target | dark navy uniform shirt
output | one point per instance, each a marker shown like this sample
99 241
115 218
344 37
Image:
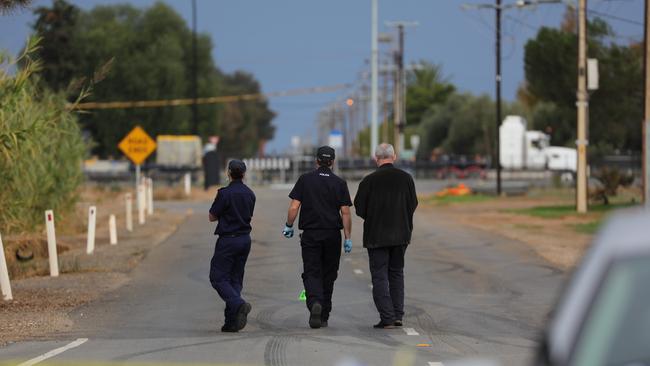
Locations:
321 194
233 207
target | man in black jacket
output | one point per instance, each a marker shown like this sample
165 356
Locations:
386 200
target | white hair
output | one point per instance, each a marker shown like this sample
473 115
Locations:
384 151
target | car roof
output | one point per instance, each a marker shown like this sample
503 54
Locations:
625 234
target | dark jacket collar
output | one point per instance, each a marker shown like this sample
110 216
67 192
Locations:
324 169
387 165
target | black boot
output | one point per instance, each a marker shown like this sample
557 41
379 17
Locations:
315 316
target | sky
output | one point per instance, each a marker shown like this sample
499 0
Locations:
290 44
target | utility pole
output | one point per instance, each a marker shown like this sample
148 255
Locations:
583 105
384 103
646 110
374 83
195 76
399 113
499 8
498 96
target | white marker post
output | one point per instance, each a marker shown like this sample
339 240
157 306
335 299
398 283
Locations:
92 223
5 285
141 203
149 196
112 229
51 244
129 212
187 182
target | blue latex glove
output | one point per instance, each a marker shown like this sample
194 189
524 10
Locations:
347 245
287 231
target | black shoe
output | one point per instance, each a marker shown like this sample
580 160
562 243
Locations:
323 323
383 325
398 323
229 328
242 315
315 316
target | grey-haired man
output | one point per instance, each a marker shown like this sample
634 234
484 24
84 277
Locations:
386 200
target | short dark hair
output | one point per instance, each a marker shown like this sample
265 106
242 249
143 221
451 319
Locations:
236 174
324 162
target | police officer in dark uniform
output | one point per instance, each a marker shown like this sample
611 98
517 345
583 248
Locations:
233 208
323 201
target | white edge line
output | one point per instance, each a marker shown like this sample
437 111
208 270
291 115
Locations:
411 331
54 352
436 364
358 271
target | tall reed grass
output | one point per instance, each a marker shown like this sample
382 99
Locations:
41 146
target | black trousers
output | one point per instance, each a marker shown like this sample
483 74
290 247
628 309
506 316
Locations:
227 271
321 254
387 272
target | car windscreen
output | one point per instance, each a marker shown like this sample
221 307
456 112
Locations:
617 329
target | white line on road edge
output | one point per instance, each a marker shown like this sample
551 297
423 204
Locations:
5 285
112 230
411 331
358 271
436 364
92 224
54 352
51 244
129 212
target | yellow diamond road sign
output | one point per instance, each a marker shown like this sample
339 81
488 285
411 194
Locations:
137 145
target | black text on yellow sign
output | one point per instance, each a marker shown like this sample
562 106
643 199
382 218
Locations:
137 145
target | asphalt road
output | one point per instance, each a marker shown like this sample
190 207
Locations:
468 295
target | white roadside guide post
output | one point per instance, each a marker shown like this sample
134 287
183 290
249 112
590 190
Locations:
149 196
4 275
112 229
141 203
92 224
129 212
187 182
51 244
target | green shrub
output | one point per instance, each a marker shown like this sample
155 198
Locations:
41 147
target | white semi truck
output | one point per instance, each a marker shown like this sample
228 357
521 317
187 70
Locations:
521 149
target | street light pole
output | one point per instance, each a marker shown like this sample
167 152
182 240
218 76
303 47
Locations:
499 8
195 76
374 107
498 95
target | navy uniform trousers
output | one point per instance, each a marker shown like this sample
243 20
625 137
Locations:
227 271
321 254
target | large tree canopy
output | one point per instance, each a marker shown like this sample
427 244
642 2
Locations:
615 109
150 56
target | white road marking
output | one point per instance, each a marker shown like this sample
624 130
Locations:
358 271
347 259
411 331
436 364
54 352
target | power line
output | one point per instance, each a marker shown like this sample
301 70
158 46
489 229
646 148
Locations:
208 100
614 17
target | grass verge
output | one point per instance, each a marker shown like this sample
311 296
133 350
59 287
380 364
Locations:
445 200
560 211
